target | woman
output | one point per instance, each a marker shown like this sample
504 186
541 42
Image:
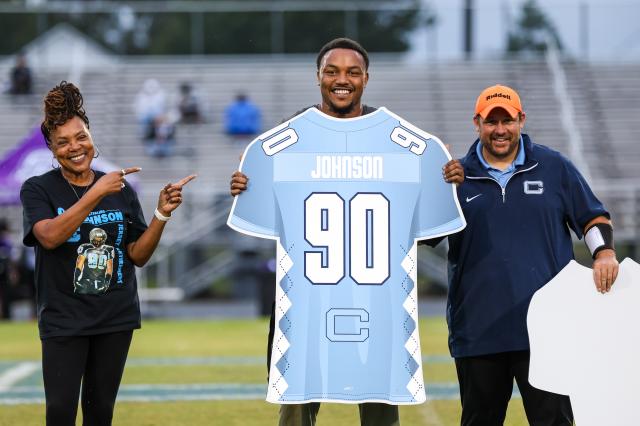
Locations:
89 232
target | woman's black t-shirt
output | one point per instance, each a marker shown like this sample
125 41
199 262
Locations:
87 285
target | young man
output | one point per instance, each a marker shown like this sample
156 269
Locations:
520 200
342 72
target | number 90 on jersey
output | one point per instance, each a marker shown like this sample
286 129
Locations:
326 217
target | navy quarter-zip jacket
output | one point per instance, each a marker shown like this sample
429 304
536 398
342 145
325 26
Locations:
517 239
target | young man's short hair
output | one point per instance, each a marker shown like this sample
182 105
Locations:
343 43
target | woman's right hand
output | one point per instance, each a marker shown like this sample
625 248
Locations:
238 183
113 182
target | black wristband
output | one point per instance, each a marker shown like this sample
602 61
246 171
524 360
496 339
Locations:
599 237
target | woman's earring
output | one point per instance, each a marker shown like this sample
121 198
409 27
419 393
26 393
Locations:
97 151
53 166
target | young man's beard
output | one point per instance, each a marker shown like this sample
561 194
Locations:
344 110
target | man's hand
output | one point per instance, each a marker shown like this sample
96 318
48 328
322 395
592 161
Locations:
238 183
453 172
605 270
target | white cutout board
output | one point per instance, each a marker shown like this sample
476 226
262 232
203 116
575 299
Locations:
587 345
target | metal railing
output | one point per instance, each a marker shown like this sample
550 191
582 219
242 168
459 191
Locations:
166 277
576 147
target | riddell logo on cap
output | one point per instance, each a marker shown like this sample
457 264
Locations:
498 95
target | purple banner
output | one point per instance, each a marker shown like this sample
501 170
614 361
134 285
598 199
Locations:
30 158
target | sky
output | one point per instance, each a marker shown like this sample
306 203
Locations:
611 30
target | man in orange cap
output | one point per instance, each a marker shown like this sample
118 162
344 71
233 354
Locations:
520 199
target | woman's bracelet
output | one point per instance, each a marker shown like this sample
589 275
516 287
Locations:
160 216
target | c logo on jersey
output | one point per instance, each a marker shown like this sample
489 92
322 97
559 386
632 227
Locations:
534 187
347 325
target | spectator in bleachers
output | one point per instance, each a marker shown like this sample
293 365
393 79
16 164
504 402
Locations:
161 138
189 105
150 103
242 117
20 77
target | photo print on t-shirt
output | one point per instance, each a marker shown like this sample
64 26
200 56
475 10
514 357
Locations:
94 264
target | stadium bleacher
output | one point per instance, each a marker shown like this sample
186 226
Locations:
438 98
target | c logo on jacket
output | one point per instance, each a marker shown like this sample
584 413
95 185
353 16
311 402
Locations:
533 187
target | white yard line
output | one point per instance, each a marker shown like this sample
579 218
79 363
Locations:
15 374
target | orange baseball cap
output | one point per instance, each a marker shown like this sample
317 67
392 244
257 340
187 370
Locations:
498 96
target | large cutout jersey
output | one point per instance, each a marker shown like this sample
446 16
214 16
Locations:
587 345
346 199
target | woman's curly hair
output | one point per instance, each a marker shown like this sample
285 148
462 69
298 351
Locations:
61 104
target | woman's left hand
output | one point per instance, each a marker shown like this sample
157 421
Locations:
171 195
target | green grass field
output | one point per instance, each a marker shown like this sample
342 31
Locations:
192 370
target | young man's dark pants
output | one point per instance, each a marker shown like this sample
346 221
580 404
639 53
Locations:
371 414
486 383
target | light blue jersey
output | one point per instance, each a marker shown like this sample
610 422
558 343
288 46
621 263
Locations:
346 200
